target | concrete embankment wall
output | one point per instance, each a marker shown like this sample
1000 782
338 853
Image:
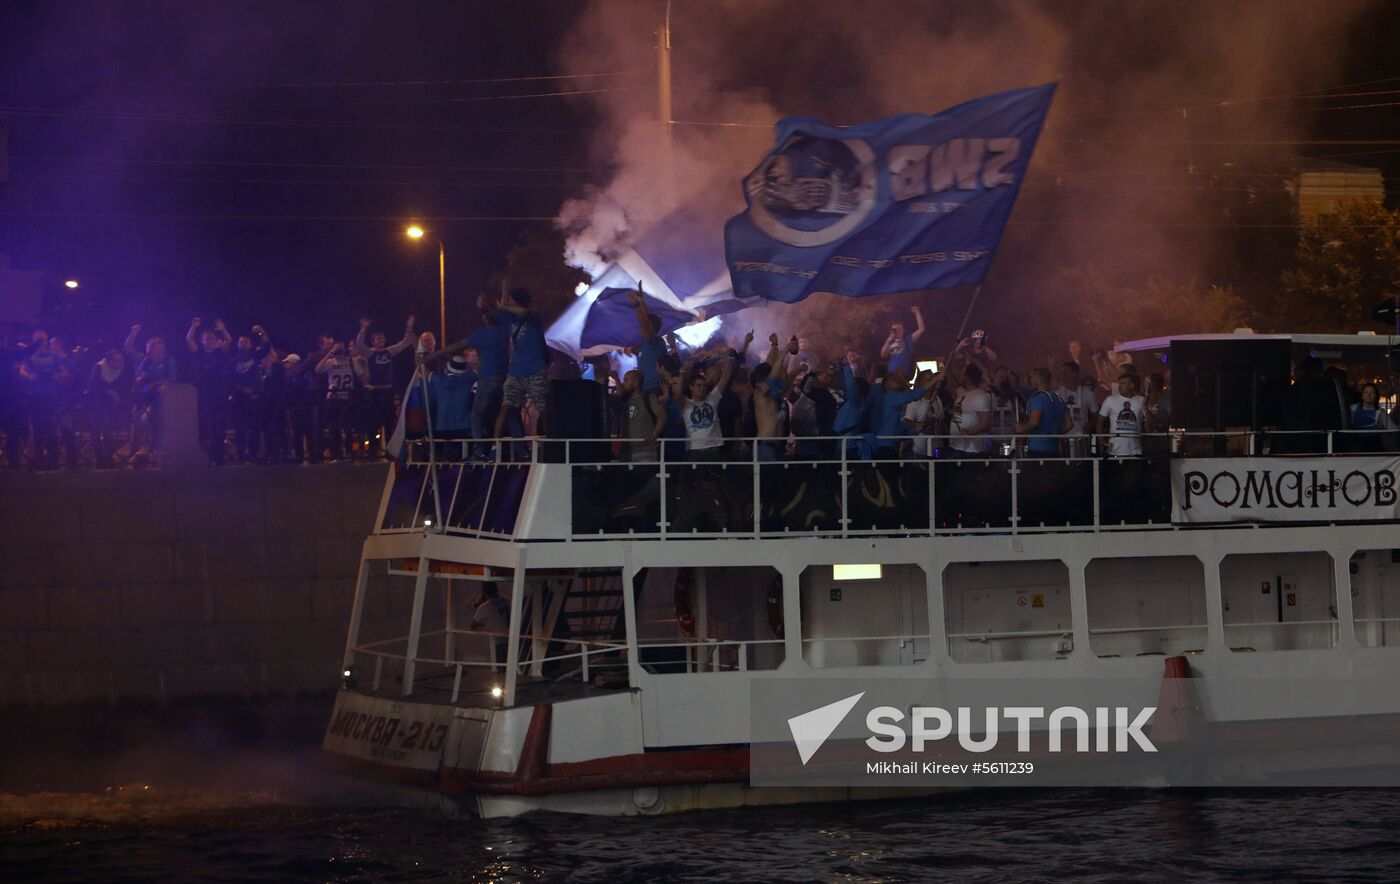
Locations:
161 585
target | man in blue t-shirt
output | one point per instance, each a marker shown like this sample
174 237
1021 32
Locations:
1047 416
525 375
887 417
653 344
898 349
451 393
492 345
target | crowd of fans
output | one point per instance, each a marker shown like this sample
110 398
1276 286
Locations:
967 404
726 403
259 403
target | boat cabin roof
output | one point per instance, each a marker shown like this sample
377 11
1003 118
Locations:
1361 347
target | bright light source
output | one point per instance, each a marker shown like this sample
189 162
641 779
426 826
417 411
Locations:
347 673
427 523
931 365
856 572
71 283
497 693
414 232
581 288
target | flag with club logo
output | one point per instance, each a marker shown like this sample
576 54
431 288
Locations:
901 204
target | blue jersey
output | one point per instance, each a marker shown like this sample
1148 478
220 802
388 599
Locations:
153 371
380 366
492 344
1052 413
891 420
452 401
651 351
527 347
850 417
44 367
901 358
875 407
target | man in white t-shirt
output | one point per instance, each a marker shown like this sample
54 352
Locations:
700 412
1083 407
1120 417
921 416
971 415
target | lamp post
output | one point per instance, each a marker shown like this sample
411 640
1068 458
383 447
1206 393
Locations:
415 232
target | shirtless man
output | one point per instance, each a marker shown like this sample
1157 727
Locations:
768 382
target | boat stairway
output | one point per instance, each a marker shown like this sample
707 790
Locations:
592 611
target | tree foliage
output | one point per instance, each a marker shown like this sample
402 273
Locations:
1107 312
1345 265
536 262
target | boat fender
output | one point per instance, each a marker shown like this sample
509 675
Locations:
647 800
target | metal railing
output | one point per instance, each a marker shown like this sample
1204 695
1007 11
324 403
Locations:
588 654
702 655
755 484
708 654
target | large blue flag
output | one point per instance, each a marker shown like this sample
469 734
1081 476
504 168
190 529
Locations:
904 203
613 320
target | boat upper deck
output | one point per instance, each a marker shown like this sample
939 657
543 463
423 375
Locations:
573 491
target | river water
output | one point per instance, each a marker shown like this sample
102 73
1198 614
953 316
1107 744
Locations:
196 796
1079 835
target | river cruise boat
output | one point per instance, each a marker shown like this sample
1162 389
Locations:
637 603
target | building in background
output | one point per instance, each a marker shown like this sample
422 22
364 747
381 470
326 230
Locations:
1325 187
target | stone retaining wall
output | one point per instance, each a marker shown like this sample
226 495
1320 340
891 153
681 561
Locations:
157 585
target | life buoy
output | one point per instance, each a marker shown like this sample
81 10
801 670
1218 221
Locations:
684 600
775 606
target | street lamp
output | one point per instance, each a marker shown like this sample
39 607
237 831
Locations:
415 232
70 283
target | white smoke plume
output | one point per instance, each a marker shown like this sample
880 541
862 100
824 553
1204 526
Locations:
1125 69
595 225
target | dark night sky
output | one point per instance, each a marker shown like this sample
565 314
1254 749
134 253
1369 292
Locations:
93 194
395 146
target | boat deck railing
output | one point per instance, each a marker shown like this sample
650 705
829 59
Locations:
375 665
471 670
468 656
824 488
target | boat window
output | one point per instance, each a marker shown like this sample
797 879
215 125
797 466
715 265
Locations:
1146 607
1375 597
882 621
1001 611
1278 601
709 619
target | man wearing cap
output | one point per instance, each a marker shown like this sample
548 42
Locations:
451 393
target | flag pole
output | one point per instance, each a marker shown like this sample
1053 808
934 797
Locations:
432 443
967 315
664 114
